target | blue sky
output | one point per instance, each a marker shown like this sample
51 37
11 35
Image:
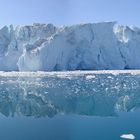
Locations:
67 12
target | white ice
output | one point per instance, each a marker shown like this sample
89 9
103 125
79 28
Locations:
44 47
128 136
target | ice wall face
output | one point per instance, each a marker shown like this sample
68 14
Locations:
78 47
13 42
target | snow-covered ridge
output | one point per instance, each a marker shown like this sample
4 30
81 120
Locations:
44 47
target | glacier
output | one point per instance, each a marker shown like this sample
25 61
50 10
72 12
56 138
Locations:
91 46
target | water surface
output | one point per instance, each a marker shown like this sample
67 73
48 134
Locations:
69 105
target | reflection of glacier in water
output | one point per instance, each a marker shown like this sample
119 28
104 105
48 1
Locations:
48 94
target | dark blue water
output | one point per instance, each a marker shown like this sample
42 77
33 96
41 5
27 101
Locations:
69 127
70 107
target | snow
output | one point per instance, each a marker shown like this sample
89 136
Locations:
128 136
44 47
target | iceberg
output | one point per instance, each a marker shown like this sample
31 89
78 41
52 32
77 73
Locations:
45 47
128 136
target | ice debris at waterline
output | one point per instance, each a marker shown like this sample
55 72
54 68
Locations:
49 93
45 47
128 136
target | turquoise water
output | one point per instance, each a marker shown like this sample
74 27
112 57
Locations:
69 106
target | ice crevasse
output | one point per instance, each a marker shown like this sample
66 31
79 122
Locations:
45 47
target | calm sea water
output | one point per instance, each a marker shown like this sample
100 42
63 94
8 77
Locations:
84 106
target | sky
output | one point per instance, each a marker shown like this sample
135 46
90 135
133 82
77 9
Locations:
68 12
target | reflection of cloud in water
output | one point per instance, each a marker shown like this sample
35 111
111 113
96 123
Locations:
92 95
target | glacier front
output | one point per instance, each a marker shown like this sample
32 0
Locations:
45 47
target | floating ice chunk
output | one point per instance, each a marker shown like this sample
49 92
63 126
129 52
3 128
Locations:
88 77
128 136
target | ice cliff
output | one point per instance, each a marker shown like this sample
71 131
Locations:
44 47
